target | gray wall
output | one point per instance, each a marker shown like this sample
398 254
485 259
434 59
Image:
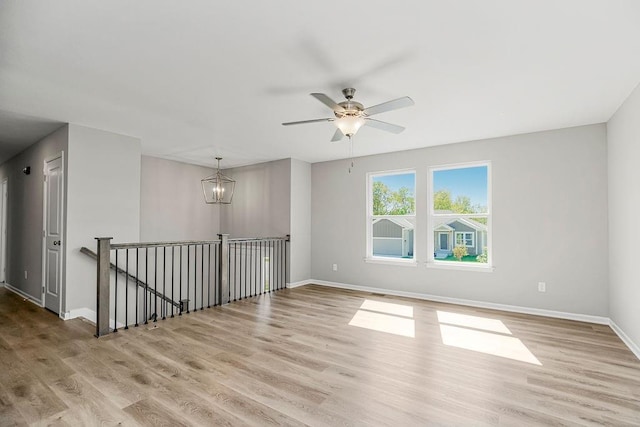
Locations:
549 222
261 201
624 205
24 214
300 259
103 199
172 206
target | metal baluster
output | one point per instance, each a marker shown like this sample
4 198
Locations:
209 278
195 278
181 308
146 285
155 285
245 269
251 270
260 272
115 311
164 282
188 274
173 264
202 277
285 261
126 291
232 285
137 289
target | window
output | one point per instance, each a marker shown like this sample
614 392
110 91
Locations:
460 215
464 238
391 216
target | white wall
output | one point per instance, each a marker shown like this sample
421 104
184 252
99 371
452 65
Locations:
261 202
300 253
103 200
24 215
549 222
172 206
624 204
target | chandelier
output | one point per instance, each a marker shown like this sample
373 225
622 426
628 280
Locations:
218 188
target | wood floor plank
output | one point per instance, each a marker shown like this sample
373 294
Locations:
293 358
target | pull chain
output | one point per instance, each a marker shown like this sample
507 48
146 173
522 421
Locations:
350 153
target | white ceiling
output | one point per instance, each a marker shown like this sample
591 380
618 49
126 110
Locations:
202 78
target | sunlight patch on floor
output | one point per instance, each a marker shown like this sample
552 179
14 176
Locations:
484 335
475 322
385 317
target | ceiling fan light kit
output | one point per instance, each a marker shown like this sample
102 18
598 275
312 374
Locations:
218 188
350 115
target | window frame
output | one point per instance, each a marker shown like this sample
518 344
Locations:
432 262
370 217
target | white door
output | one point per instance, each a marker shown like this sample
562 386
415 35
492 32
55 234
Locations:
3 231
53 192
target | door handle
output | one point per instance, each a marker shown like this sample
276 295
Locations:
56 243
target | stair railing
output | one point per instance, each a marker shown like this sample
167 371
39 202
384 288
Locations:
142 282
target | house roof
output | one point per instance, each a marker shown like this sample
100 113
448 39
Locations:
467 221
402 222
197 79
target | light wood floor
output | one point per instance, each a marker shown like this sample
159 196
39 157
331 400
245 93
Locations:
292 358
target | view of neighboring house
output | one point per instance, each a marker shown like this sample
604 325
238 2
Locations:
450 233
393 237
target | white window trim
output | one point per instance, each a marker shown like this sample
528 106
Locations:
473 238
377 259
432 262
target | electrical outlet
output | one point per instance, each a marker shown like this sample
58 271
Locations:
25 274
335 267
542 287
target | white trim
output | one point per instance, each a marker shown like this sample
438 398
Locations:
461 266
431 215
369 176
23 294
300 283
406 262
87 314
635 348
471 303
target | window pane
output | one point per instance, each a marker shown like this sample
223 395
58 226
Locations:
461 190
460 239
393 237
393 194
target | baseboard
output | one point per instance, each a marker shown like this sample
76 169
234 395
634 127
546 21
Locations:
471 303
88 314
23 294
635 348
300 283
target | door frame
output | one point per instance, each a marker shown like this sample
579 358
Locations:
4 194
63 289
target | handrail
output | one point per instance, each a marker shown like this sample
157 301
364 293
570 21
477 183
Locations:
251 239
137 281
160 244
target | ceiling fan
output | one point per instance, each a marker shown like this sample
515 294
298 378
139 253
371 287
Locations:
351 115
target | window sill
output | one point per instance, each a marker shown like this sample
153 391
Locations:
451 265
392 261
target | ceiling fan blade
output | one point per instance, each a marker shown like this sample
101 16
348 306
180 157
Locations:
337 136
383 125
405 101
302 122
328 101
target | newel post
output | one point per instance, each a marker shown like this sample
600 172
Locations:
103 284
223 269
